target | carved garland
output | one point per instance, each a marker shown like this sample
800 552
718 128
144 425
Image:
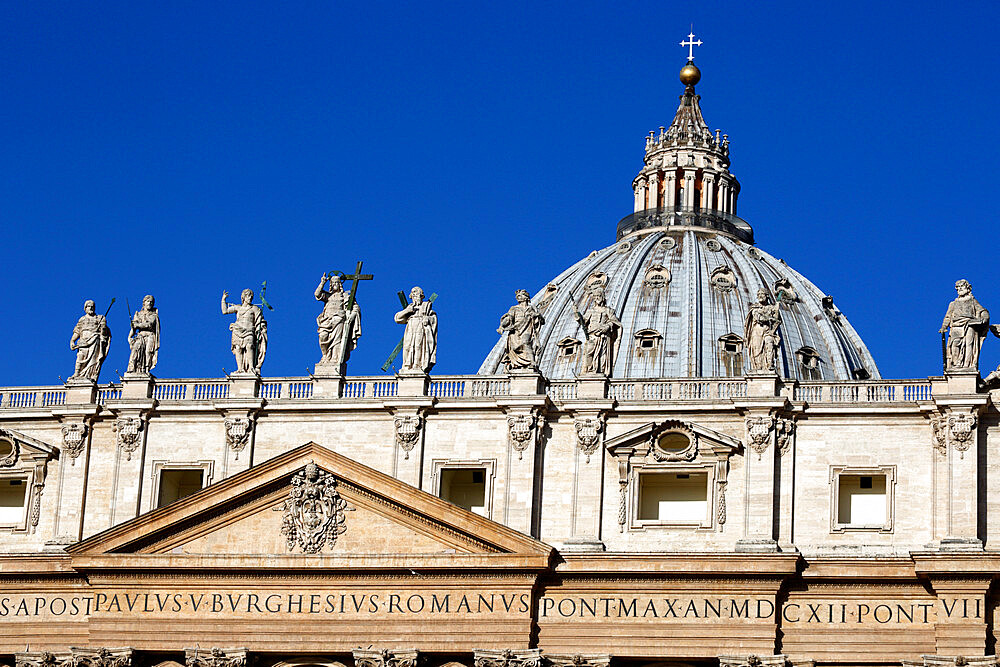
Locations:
521 431
588 434
759 433
238 431
962 428
408 432
73 439
939 434
129 432
313 511
722 502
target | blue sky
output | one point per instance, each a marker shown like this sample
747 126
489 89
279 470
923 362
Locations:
185 148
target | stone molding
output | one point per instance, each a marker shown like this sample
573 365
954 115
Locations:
76 657
216 657
531 657
386 658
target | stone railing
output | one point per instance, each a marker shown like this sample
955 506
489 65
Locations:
279 389
883 391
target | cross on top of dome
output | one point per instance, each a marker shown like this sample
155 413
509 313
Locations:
691 44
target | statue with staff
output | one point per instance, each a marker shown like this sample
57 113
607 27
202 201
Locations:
91 340
521 324
419 343
966 323
339 324
144 337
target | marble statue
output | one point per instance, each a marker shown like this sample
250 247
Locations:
602 329
338 327
144 337
761 333
420 335
522 323
966 323
91 339
249 339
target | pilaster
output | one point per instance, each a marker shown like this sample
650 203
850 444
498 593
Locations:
130 428
761 464
589 421
525 424
74 467
409 419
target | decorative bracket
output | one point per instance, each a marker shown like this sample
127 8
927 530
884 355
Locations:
589 432
239 432
523 429
74 436
759 431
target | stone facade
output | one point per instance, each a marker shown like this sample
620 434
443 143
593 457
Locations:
523 518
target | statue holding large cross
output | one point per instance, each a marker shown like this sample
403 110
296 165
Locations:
339 325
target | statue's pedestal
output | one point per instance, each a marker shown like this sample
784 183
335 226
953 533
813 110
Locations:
762 385
328 383
592 385
80 391
244 385
526 382
962 381
137 385
412 384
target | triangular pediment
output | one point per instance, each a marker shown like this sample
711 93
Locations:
642 439
312 505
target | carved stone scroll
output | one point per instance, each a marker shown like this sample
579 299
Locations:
784 430
522 430
238 433
578 660
385 658
759 433
962 429
408 429
753 661
74 436
531 657
588 434
129 434
314 512
77 657
216 657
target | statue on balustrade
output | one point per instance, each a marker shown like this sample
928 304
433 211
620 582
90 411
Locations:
966 323
249 339
420 335
761 334
602 330
339 325
91 340
522 324
144 338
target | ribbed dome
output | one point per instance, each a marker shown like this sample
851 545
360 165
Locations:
682 295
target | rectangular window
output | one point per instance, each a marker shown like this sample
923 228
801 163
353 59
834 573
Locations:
862 498
179 483
13 496
673 497
465 487
862 501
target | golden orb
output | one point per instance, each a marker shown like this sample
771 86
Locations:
690 75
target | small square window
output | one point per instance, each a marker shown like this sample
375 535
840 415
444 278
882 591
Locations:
179 483
862 499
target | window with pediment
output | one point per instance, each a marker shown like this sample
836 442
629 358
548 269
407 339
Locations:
808 361
672 475
731 355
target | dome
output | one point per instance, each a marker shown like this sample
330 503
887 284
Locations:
682 294
683 275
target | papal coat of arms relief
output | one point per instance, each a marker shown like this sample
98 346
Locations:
314 511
